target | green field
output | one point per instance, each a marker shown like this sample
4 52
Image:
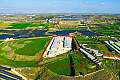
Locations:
70 28
81 65
60 67
94 43
31 48
109 30
86 40
13 63
27 25
28 50
112 67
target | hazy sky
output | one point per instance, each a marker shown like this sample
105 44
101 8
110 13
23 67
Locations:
60 6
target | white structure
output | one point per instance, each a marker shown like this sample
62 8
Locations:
58 45
8 39
90 56
114 45
96 52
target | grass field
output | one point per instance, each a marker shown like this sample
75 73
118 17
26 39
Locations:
28 52
60 67
31 48
81 65
86 40
112 67
13 63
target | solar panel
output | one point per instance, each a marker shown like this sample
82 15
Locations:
5 77
10 74
5 68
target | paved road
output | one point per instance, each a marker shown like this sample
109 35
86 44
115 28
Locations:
111 57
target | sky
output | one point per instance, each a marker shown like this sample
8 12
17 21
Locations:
59 6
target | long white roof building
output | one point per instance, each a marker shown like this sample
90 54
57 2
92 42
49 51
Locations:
58 45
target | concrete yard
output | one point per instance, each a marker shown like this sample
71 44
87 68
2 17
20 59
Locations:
58 45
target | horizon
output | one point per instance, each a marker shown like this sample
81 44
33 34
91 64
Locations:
59 13
55 6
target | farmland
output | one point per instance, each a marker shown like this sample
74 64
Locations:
25 39
4 25
109 30
27 25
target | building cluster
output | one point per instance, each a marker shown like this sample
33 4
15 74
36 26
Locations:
65 20
113 46
92 54
17 18
58 45
96 53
